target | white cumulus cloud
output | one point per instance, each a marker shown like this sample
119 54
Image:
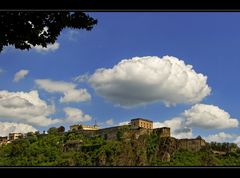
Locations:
49 48
74 115
8 127
20 75
25 107
224 137
177 126
143 80
209 117
221 137
71 94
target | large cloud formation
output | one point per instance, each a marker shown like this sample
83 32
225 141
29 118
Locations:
143 80
8 127
71 94
26 107
20 75
209 117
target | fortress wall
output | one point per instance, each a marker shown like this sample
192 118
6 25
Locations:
162 132
183 144
88 133
111 132
191 144
141 131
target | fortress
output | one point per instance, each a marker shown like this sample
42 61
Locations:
137 128
134 129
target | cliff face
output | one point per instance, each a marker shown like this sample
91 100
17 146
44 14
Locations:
144 151
140 147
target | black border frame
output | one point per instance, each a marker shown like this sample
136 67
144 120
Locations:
112 6
122 5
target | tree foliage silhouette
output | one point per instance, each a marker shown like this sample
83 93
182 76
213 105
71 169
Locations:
25 29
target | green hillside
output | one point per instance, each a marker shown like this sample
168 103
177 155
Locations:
74 149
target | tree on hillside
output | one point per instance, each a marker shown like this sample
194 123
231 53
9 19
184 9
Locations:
52 130
61 129
25 29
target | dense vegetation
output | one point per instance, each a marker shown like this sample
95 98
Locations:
50 150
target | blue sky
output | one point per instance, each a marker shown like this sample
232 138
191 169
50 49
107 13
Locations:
208 41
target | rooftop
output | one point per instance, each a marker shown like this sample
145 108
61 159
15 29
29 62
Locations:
165 128
15 133
141 119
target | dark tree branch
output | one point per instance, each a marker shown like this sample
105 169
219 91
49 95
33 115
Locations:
25 29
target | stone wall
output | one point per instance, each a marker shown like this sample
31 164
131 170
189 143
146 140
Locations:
110 133
88 133
107 133
191 144
136 133
162 132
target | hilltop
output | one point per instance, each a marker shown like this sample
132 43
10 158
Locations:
129 147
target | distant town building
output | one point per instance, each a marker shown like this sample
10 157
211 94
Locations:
141 123
15 136
3 140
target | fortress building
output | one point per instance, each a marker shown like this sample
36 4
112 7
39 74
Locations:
141 123
3 140
15 136
88 127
